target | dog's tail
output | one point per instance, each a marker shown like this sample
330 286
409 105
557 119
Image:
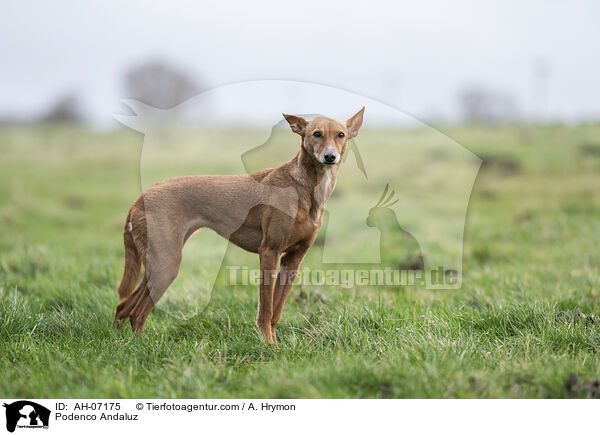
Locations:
131 272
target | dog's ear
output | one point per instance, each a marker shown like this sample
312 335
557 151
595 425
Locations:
297 123
353 124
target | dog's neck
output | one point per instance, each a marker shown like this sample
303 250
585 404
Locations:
318 180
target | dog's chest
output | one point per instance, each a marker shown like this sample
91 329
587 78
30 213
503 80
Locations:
324 189
308 221
312 218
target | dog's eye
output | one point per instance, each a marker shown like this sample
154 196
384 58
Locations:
317 134
340 134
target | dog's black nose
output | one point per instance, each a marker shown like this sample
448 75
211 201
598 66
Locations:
329 158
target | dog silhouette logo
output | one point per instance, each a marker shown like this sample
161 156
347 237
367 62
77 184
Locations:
26 414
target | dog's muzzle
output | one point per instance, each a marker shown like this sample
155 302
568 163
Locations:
330 159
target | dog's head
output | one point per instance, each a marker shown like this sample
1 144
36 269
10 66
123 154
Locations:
326 139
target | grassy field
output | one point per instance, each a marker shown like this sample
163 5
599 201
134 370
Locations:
525 318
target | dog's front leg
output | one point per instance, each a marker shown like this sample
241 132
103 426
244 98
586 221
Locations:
268 269
288 270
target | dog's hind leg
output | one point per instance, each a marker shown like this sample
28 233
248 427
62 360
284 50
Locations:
125 307
142 310
160 276
133 262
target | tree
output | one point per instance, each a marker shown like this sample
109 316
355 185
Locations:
485 106
159 84
66 109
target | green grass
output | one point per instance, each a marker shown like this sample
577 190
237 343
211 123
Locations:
526 316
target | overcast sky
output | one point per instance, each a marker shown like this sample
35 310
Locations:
415 56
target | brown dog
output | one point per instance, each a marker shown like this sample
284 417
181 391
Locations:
276 213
